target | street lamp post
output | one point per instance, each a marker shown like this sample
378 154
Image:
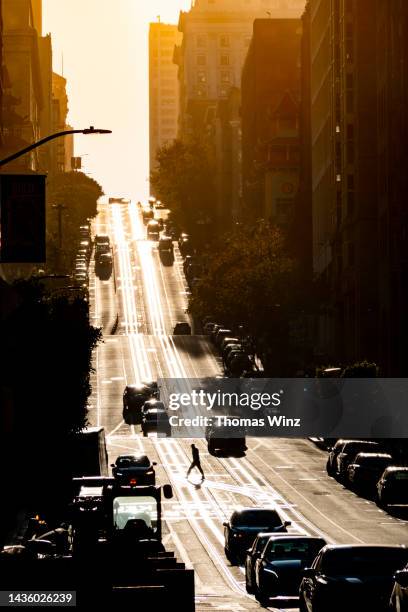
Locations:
90 130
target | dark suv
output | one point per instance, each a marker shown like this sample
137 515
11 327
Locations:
134 396
243 527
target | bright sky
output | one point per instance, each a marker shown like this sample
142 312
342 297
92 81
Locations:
104 46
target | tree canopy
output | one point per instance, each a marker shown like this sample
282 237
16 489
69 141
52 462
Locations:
251 281
184 180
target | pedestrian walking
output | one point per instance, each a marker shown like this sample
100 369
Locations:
195 462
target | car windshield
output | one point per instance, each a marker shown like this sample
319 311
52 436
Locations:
140 508
398 475
293 549
142 461
256 518
370 562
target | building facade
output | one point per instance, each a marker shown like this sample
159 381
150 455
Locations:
270 119
163 87
59 119
23 97
392 184
343 152
216 38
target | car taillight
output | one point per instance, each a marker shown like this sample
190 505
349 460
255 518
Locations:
132 482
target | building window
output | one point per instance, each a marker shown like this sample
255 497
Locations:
349 42
224 60
201 76
201 60
224 41
200 40
225 77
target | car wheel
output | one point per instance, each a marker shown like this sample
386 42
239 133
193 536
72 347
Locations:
262 598
302 604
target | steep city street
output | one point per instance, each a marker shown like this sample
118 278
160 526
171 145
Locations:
141 302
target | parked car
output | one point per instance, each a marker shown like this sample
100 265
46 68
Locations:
221 334
238 363
399 594
392 488
351 578
349 451
182 329
214 331
243 527
227 341
332 457
252 555
366 469
134 470
156 419
225 440
134 396
208 327
278 570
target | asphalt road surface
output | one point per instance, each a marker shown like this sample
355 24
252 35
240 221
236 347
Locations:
143 300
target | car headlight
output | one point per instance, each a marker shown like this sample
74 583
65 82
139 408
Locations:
237 535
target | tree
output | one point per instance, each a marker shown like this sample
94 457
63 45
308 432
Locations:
79 194
251 281
47 343
184 180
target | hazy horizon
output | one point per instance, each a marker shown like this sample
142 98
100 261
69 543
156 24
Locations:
107 82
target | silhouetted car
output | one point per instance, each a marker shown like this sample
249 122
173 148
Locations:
350 450
243 527
153 230
225 439
351 578
238 364
166 245
134 396
134 470
182 329
278 570
221 334
366 469
399 595
252 555
227 341
159 205
102 239
332 457
103 264
156 419
152 403
147 215
153 386
392 487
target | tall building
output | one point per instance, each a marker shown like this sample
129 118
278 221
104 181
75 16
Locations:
392 185
216 37
23 99
59 118
163 87
45 153
270 119
343 141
